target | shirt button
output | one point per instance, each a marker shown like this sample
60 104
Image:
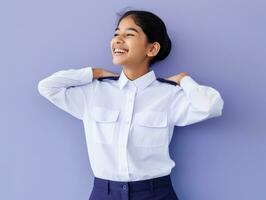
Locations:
124 187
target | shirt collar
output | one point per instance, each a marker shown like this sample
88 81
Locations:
141 82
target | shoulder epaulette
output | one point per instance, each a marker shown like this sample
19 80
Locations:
108 77
163 80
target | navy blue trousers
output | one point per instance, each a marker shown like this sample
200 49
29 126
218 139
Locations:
159 188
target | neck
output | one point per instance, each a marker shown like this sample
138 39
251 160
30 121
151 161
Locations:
133 73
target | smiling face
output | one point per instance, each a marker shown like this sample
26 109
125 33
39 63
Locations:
129 45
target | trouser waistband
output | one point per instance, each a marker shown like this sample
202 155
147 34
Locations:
133 186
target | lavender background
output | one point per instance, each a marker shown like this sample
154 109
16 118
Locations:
220 43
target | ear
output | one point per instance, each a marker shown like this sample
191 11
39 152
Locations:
153 49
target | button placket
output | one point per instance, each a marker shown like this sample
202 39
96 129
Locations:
124 137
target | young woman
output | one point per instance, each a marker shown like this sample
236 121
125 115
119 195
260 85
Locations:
129 118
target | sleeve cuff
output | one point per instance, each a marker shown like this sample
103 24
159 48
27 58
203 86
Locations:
88 73
188 84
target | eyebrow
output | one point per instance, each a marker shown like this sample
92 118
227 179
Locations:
130 28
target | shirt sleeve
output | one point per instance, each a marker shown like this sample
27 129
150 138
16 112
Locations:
192 102
66 89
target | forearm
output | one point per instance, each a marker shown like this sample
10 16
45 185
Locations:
63 79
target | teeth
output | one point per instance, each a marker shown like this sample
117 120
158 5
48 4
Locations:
120 51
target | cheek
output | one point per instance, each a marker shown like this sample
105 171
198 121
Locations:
137 48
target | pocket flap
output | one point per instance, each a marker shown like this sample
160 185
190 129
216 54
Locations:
102 114
151 118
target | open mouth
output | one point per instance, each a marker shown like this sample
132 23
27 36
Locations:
119 52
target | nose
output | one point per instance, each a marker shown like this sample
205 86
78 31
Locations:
118 40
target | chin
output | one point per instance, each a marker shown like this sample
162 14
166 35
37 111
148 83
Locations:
117 61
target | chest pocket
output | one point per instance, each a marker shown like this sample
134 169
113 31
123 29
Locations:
105 124
150 129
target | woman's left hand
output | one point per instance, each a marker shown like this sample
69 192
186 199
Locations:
177 78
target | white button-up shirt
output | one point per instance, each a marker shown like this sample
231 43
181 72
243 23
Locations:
129 123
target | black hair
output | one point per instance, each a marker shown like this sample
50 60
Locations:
154 28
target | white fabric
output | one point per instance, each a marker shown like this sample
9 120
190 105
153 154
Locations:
129 124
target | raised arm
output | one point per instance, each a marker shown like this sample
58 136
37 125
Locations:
69 89
192 102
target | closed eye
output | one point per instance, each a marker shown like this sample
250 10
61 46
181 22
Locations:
127 34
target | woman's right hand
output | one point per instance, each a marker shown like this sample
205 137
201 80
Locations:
108 73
